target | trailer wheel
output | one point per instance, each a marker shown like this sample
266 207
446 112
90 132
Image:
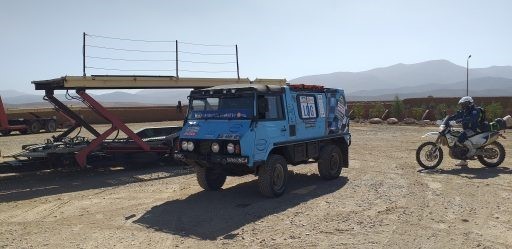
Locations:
34 127
5 133
273 176
329 164
210 178
51 126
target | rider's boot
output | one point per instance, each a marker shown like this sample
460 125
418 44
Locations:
471 149
462 163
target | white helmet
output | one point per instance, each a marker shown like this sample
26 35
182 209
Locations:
466 102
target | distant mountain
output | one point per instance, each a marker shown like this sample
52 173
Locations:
489 86
118 98
11 93
438 78
417 80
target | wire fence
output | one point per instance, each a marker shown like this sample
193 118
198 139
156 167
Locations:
105 55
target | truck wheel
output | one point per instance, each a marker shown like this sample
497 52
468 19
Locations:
273 176
209 178
24 131
34 127
50 126
6 132
329 163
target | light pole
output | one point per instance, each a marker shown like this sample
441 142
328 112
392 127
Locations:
467 76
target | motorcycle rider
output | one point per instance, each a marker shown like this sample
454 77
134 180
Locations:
472 119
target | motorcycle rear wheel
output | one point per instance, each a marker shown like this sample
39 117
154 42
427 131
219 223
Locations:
429 155
496 160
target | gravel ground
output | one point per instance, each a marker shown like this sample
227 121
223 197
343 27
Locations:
383 200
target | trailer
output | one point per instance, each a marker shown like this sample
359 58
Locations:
150 144
35 124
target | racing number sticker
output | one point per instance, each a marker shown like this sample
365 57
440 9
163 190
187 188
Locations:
307 107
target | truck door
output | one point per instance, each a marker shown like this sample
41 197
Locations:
311 115
271 126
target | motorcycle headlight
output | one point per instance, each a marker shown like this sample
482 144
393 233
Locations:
215 147
441 128
184 145
231 148
190 146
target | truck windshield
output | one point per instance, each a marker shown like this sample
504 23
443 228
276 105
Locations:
240 107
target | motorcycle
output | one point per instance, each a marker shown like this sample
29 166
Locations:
489 152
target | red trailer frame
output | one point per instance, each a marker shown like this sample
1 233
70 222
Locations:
136 144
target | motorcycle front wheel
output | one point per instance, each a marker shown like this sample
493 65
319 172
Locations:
429 155
494 155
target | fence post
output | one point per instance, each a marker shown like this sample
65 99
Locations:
237 67
83 54
177 75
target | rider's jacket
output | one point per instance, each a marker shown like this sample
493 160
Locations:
469 118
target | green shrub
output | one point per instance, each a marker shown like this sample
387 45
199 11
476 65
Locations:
358 111
377 111
441 111
417 113
493 111
397 110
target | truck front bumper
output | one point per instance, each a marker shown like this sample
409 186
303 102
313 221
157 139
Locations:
211 158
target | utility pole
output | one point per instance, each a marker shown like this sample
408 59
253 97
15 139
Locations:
467 76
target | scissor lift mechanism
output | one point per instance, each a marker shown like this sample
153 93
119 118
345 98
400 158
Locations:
82 83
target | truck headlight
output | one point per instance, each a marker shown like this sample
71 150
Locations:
184 145
215 147
190 146
231 148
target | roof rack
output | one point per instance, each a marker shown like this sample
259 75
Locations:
142 82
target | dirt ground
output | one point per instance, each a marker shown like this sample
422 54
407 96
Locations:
383 200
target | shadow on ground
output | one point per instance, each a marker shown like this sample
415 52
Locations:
472 173
209 215
34 185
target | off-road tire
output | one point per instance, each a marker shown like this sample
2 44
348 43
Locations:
50 126
418 156
501 157
34 127
210 178
273 176
330 162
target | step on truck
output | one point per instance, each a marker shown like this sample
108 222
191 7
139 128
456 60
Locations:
235 130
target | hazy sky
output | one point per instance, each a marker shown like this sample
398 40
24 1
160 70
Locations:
276 39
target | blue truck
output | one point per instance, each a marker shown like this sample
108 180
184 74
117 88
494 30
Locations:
235 130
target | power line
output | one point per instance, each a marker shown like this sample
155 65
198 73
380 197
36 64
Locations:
157 60
123 59
132 70
195 71
132 50
158 41
187 52
207 62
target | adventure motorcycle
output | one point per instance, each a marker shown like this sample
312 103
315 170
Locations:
489 151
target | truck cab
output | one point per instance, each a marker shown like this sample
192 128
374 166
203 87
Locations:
234 130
